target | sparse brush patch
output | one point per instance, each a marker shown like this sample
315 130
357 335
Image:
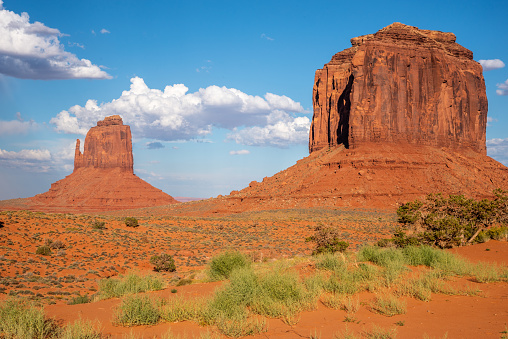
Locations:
346 334
379 333
138 310
131 222
128 284
54 244
180 309
222 265
21 320
163 262
388 305
236 328
81 329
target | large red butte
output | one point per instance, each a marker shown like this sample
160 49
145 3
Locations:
400 85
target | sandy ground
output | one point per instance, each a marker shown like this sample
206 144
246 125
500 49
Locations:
90 255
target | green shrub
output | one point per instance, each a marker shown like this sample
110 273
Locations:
327 240
498 233
131 222
98 225
21 320
138 310
81 329
221 266
453 221
80 299
43 250
388 305
163 262
129 284
331 262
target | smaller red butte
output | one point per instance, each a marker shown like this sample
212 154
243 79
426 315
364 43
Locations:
103 178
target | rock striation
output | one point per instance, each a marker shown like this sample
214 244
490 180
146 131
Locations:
108 145
400 85
103 177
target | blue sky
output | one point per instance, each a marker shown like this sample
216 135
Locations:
217 93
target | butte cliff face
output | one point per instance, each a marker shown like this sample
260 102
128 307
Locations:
108 145
400 85
103 177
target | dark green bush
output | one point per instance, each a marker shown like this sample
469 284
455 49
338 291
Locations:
43 250
327 240
131 222
163 262
452 221
80 299
221 266
98 225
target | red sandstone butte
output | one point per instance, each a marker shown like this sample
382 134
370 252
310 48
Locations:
401 85
399 115
103 177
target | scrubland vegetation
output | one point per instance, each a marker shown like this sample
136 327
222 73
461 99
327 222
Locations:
253 289
253 293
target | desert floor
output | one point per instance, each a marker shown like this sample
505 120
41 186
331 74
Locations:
89 255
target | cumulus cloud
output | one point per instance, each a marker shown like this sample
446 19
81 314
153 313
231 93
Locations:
281 130
18 126
105 31
26 154
239 152
502 89
491 64
33 51
59 156
154 145
498 149
175 114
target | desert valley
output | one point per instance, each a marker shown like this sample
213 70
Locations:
334 246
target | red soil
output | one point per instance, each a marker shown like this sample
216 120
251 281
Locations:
90 255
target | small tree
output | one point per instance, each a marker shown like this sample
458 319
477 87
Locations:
163 262
131 222
327 240
452 221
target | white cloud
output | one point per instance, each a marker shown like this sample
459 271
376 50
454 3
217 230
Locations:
105 31
502 89
26 154
175 114
239 152
498 149
33 51
281 130
264 36
491 64
58 156
16 126
490 121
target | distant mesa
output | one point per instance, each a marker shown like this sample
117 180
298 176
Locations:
103 177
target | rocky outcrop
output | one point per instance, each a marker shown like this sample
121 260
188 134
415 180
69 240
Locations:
400 85
108 145
103 177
